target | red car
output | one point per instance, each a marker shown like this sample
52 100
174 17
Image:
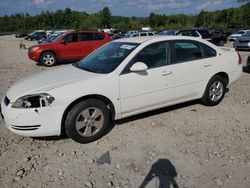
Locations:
70 46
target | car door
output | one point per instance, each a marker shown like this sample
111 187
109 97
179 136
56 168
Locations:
87 43
142 91
190 69
70 48
101 39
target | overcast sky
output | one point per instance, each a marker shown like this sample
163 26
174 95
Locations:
141 8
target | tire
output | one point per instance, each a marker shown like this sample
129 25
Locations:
215 91
221 43
87 121
48 59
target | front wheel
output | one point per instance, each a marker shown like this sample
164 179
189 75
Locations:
87 121
215 91
48 59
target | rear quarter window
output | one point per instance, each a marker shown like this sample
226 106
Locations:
208 51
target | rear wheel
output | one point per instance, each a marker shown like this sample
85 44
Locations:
221 43
215 91
87 121
48 59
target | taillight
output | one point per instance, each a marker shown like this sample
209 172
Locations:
240 60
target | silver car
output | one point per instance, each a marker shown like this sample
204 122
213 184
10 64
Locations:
234 36
243 42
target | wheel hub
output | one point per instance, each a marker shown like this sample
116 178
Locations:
89 122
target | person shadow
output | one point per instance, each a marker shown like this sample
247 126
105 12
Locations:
165 171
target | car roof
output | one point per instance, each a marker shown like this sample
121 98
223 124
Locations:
156 38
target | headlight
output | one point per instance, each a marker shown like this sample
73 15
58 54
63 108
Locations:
34 49
33 101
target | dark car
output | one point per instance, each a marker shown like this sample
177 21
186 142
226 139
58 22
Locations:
37 35
20 35
218 37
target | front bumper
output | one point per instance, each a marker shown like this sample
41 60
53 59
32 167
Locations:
243 46
34 55
34 122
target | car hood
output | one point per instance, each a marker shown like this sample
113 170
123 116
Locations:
44 45
47 80
235 35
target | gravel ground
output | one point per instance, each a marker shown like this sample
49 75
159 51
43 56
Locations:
188 145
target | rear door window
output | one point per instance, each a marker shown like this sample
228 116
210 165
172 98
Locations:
87 36
186 51
208 51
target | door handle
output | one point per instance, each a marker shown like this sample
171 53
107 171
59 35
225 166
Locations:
166 73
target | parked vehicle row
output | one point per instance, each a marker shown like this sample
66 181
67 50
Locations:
21 35
238 34
123 78
140 34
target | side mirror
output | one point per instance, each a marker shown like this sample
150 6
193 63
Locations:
138 67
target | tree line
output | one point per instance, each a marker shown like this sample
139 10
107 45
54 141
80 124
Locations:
68 19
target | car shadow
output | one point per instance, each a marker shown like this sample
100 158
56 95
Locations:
163 172
52 138
156 112
58 63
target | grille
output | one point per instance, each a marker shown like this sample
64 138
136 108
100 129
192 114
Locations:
6 101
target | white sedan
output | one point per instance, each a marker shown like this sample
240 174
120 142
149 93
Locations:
123 78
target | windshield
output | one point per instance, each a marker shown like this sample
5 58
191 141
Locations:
54 38
247 33
240 32
107 58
